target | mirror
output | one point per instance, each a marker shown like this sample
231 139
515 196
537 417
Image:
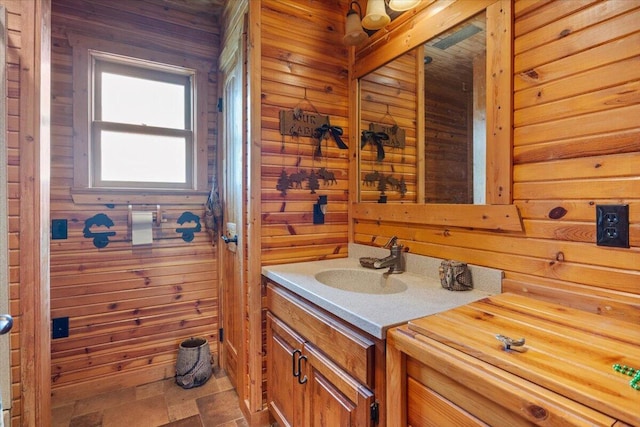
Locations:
427 135
388 124
454 114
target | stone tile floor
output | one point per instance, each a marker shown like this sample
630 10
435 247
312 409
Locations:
158 404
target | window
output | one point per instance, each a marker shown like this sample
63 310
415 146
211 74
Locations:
142 132
140 120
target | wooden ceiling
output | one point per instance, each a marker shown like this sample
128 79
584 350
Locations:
194 5
456 61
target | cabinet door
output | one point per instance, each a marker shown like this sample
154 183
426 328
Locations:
284 394
333 398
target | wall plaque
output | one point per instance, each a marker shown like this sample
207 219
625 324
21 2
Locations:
395 133
300 123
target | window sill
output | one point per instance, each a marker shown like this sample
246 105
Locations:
119 196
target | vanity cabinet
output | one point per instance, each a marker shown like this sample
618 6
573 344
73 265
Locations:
320 372
449 368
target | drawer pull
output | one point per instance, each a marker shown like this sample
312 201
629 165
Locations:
301 379
508 342
295 363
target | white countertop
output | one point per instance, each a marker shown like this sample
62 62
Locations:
375 313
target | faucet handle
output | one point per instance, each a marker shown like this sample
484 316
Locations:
391 242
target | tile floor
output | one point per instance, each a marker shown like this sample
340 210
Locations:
163 403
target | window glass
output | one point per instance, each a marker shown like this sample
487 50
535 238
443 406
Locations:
142 158
142 131
141 101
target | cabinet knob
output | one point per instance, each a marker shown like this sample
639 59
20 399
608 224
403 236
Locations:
6 322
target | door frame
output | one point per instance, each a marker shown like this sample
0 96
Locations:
247 14
256 291
233 56
35 163
231 256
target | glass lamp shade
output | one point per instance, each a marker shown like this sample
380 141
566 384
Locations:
353 33
376 16
402 5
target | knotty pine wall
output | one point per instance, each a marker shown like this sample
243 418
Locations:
576 144
303 55
128 308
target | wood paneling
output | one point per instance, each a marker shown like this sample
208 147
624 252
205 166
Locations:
128 307
576 144
303 64
15 27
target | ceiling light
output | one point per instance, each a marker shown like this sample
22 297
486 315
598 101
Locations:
376 16
353 33
402 5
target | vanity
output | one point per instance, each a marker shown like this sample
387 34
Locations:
326 332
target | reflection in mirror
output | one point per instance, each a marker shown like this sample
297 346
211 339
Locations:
455 114
388 151
435 97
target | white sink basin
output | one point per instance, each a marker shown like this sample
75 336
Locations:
362 281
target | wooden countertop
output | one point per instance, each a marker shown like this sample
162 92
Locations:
568 351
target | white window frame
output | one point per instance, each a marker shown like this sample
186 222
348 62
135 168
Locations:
85 188
135 68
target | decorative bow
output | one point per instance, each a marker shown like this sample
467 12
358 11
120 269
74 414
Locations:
376 139
321 133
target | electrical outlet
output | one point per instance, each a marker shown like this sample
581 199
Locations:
60 328
612 225
58 229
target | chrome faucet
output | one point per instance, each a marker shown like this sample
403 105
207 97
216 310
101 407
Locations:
395 261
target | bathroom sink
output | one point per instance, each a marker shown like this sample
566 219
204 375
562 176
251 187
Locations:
362 281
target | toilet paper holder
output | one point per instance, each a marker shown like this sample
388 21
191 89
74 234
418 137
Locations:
158 216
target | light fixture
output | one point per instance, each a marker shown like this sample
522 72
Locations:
402 5
353 32
376 16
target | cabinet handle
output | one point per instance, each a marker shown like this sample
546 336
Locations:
508 342
295 363
301 380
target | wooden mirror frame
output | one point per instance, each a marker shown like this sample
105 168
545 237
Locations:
407 32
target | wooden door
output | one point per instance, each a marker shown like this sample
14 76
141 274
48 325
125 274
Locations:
232 277
284 392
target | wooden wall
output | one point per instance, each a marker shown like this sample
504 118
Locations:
303 64
15 26
303 56
128 307
576 144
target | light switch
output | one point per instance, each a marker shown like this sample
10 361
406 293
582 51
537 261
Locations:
58 229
